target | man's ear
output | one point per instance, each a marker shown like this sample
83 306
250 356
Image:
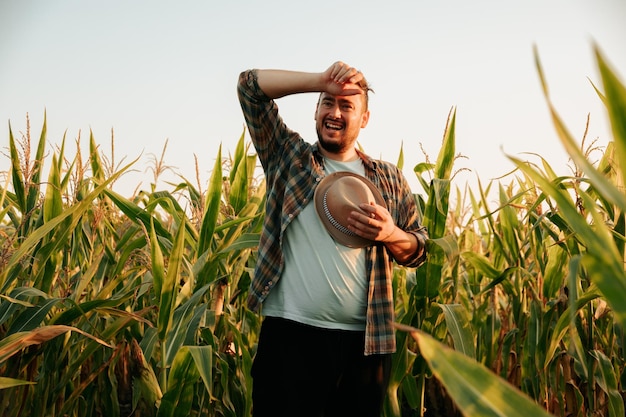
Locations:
365 118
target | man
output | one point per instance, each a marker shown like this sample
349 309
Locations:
326 340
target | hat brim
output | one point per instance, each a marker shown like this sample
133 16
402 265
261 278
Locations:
350 240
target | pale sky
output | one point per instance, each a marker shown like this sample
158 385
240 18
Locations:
163 70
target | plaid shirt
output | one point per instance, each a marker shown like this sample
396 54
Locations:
293 168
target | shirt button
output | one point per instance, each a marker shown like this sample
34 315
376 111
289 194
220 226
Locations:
290 216
317 179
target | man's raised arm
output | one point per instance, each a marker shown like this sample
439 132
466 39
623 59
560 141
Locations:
338 79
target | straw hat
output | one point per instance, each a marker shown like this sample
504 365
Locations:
337 195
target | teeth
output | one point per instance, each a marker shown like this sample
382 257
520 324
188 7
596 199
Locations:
334 126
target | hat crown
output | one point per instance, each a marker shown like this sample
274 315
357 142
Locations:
337 196
344 196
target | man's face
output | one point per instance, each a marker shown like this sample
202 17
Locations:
338 121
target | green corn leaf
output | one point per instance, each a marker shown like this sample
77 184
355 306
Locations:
245 241
178 398
12 382
460 328
400 162
17 176
449 245
31 317
19 297
238 196
420 169
617 110
565 321
33 191
3 196
211 206
403 361
554 272
606 268
68 316
168 290
239 156
531 343
607 380
14 343
158 263
181 324
203 358
445 159
126 250
53 201
616 106
482 264
476 390
69 171
136 213
97 169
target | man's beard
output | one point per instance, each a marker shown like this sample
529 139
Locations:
333 147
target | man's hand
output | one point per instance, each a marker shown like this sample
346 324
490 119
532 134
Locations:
340 79
377 224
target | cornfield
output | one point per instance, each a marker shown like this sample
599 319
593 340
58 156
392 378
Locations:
134 306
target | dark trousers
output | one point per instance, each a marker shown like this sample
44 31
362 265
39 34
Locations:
301 370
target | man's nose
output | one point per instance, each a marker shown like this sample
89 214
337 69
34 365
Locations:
335 112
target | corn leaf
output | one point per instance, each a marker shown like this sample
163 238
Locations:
617 109
53 201
616 106
460 328
607 380
238 196
17 175
181 324
158 263
14 343
212 206
168 290
476 390
136 213
12 382
34 186
32 317
203 358
178 398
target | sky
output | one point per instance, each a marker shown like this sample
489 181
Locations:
151 72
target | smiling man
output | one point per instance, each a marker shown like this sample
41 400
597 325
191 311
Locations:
335 221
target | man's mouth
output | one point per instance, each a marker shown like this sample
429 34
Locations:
333 125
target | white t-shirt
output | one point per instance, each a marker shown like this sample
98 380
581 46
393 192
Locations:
323 283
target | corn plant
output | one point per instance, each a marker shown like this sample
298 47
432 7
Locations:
116 306
536 295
